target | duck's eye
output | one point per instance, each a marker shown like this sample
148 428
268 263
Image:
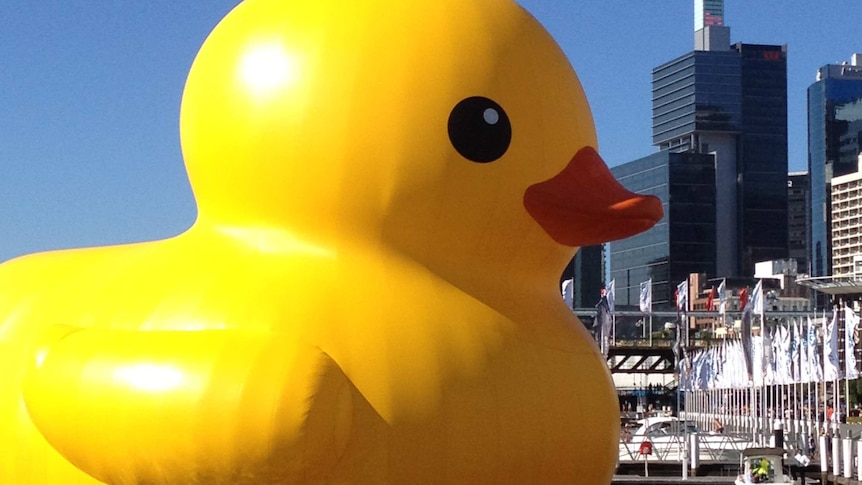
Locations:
479 129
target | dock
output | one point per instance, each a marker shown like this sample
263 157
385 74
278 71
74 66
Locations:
628 479
714 472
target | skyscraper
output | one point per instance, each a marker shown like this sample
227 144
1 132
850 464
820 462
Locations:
834 142
724 106
798 213
731 101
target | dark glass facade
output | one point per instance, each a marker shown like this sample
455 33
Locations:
697 92
798 213
834 143
762 155
683 242
734 103
587 276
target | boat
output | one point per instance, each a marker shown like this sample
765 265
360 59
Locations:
764 465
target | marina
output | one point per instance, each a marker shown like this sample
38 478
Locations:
665 449
742 396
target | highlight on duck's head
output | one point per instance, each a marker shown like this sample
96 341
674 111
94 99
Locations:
447 128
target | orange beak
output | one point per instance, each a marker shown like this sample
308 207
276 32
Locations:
585 205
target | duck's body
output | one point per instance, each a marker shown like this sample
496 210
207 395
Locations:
442 378
387 194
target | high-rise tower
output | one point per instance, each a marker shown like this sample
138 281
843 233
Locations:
798 215
834 143
725 103
731 101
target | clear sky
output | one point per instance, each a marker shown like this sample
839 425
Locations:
90 95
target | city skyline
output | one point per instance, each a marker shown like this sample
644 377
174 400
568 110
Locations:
90 154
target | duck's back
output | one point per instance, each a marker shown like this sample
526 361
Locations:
242 365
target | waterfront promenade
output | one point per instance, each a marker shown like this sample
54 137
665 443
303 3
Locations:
626 479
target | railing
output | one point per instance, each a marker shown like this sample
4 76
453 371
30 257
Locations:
661 342
711 447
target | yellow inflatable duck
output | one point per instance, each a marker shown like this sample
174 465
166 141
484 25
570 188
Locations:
387 193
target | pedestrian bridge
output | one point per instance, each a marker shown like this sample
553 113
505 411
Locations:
640 359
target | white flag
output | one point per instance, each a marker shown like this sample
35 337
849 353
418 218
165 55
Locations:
779 355
722 297
646 296
783 356
682 296
611 295
810 367
851 320
816 372
799 352
830 348
694 377
757 359
755 301
803 360
740 374
566 289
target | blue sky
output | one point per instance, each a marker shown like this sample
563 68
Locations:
90 95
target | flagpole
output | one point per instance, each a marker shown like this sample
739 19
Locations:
809 426
764 392
846 375
752 405
612 297
805 392
825 382
816 417
813 379
650 325
836 385
650 312
847 361
801 399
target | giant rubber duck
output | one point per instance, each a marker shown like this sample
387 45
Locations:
387 193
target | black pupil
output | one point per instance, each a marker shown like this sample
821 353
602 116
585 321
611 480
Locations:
479 129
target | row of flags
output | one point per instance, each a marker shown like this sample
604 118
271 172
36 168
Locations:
645 300
753 304
567 288
785 354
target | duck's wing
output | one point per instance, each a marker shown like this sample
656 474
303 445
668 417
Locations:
191 407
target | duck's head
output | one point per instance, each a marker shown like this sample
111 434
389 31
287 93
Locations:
452 130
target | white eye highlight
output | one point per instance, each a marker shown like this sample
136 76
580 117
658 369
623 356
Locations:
491 116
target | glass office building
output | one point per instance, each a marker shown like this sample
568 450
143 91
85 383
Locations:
683 242
585 271
719 119
762 155
834 142
732 103
696 93
798 213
